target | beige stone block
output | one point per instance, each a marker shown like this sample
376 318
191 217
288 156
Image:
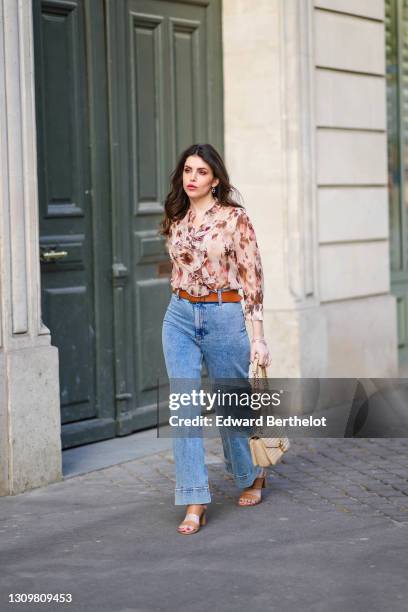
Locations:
247 25
350 100
244 9
296 340
250 156
355 213
362 338
365 8
353 270
247 104
346 42
352 338
351 157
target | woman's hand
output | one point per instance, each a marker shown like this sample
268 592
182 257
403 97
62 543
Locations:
260 348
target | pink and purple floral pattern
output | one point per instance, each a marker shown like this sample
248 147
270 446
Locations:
221 253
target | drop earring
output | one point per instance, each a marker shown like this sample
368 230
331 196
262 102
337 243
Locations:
213 189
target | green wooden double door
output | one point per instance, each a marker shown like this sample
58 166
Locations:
122 87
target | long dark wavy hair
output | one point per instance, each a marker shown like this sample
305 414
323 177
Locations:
177 201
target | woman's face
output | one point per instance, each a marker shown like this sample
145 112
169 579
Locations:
198 178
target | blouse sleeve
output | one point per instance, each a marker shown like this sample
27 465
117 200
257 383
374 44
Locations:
249 266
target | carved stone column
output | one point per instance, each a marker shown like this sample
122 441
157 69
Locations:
30 445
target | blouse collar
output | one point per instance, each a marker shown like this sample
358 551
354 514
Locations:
210 211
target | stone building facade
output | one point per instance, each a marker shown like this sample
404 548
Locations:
305 100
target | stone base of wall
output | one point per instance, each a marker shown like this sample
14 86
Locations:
30 443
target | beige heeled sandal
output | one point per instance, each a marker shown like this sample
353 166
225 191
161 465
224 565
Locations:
249 498
193 520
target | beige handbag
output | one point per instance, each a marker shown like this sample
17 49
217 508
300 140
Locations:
265 451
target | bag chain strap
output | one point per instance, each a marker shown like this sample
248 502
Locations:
259 373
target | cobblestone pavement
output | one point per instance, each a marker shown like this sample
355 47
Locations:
330 535
365 477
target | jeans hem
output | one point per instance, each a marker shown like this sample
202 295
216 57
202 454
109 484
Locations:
185 497
247 480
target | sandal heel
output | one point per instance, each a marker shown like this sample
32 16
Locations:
203 519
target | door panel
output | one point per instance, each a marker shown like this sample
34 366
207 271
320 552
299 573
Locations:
166 94
74 211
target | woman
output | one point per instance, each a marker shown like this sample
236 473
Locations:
213 248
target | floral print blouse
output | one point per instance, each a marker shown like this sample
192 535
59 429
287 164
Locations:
221 253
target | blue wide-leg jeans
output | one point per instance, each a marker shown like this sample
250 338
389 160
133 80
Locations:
213 332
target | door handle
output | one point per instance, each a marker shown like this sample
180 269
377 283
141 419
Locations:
46 256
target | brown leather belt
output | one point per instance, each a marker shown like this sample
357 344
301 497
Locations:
229 295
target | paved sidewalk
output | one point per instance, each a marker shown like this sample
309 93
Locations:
331 535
